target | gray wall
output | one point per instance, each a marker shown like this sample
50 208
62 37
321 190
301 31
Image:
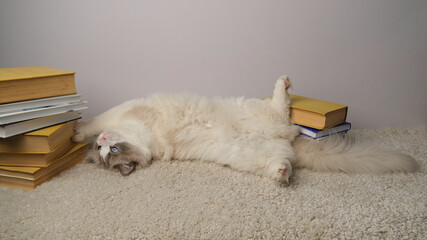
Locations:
370 55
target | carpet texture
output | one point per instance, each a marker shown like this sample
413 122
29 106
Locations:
195 200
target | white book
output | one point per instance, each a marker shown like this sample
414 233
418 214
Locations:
43 102
26 114
13 129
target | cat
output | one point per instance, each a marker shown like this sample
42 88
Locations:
249 135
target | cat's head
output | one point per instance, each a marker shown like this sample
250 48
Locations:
120 149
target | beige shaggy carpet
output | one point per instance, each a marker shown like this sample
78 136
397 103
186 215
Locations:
194 200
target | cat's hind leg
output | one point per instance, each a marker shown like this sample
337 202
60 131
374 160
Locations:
281 100
278 158
266 157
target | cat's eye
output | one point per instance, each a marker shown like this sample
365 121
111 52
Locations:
99 148
114 149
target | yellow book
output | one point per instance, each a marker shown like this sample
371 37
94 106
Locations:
316 113
26 83
41 141
30 177
37 159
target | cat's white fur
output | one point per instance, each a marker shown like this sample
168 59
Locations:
249 135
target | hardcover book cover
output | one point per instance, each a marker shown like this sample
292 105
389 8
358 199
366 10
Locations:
26 83
317 134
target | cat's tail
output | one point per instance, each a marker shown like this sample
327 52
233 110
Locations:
342 153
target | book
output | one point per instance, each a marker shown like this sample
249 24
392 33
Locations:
12 129
30 177
43 102
31 113
40 141
317 134
316 113
36 159
26 83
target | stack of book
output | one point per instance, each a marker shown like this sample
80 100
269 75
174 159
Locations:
39 108
317 118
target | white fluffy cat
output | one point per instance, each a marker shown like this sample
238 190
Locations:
249 135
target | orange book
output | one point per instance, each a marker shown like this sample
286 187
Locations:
37 159
41 141
30 177
26 83
315 113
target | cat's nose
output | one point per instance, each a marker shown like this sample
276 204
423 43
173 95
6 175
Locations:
103 137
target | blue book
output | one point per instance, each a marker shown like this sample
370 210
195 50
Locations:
316 133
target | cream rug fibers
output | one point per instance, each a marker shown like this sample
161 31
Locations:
194 200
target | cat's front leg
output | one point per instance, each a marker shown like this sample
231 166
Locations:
86 130
81 133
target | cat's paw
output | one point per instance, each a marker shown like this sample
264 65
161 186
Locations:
78 137
283 83
281 172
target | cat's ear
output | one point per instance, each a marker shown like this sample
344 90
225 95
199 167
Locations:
90 159
93 154
126 169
